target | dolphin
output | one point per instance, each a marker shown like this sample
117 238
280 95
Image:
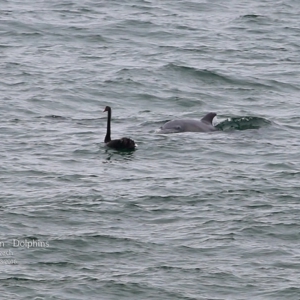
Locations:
189 125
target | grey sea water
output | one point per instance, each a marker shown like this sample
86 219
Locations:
185 216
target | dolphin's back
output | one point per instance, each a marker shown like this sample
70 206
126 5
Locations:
187 125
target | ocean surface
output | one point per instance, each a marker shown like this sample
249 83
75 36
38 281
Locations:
186 216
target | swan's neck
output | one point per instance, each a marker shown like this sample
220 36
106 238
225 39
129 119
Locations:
107 137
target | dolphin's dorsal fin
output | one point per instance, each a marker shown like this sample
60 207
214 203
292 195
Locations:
209 117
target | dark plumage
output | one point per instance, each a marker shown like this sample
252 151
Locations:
118 144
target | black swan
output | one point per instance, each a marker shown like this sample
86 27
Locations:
119 144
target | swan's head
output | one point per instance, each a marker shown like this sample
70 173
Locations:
107 108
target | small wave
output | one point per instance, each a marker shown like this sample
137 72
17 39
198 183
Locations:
54 117
251 16
213 77
195 71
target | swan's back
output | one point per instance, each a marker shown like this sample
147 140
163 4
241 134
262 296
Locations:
122 144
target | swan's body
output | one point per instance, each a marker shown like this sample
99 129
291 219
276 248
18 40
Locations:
189 125
118 144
